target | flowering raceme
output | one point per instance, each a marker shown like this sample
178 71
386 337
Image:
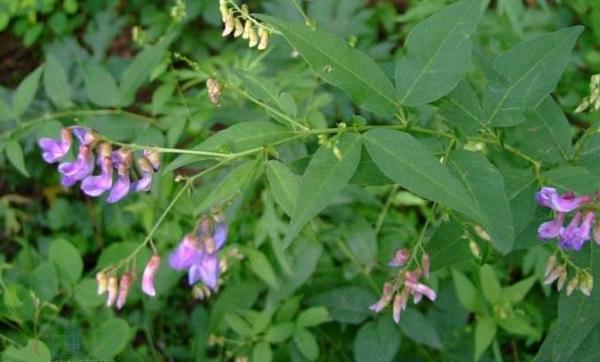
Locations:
82 168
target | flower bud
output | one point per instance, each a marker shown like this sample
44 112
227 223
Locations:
229 25
239 29
145 165
153 157
401 256
148 276
550 264
475 249
573 284
264 39
124 286
252 38
554 275
113 289
386 298
586 282
102 280
561 279
482 233
426 265
224 12
214 91
247 28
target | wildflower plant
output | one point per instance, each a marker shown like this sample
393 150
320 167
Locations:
304 180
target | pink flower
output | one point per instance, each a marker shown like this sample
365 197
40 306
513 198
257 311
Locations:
148 276
400 258
124 286
386 298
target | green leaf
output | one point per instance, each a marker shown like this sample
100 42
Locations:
572 178
45 281
115 252
262 352
138 72
339 64
284 185
490 284
346 304
465 290
517 324
86 295
528 73
313 317
545 134
67 260
110 338
56 83
485 331
239 325
280 332
100 86
362 241
237 138
377 341
448 246
406 161
462 109
323 180
418 328
306 343
261 266
14 153
439 53
6 112
26 91
516 292
232 185
34 350
486 187
162 95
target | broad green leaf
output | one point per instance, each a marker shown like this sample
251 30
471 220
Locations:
545 134
284 185
418 328
56 83
280 332
115 252
406 161
307 344
520 186
346 304
516 292
100 86
439 53
485 331
377 341
519 325
14 153
530 71
237 138
34 350
490 285
362 241
313 317
486 187
26 91
339 64
448 246
262 352
239 325
45 281
162 95
261 266
138 72
367 173
325 177
232 185
572 178
465 290
67 260
110 338
6 112
462 109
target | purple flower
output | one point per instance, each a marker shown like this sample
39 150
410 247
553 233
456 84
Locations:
144 182
551 229
206 268
79 169
97 185
576 234
401 256
567 202
385 299
122 162
186 253
84 135
54 150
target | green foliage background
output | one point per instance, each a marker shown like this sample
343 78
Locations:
489 88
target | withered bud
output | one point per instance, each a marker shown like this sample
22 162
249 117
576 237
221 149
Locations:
239 29
586 282
550 264
214 91
124 286
145 165
104 150
562 278
572 285
426 265
224 12
102 280
252 38
247 28
482 233
475 249
153 157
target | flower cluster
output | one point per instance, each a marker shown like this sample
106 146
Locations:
558 273
94 152
241 24
117 289
406 284
578 230
197 252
